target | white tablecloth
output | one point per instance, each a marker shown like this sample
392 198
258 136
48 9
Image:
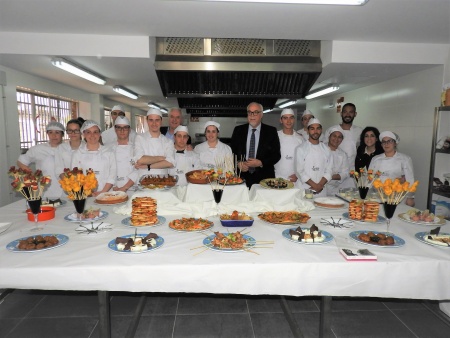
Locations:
415 270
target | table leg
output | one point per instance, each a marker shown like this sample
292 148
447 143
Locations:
325 317
290 318
104 314
136 317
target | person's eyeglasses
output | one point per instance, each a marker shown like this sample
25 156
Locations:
72 131
88 132
253 113
387 142
114 113
122 128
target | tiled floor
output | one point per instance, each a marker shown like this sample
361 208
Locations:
51 314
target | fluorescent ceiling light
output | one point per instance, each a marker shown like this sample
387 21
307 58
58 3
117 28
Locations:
267 111
322 91
152 105
77 70
164 110
305 2
287 104
126 92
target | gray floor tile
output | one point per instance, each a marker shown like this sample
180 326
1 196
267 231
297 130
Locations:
309 323
263 304
160 326
403 304
160 305
124 304
74 327
364 324
356 304
270 325
6 325
303 304
68 305
213 326
424 323
19 304
206 304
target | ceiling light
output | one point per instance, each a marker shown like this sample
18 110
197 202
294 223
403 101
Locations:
305 2
152 105
126 92
287 104
164 110
77 70
267 111
322 91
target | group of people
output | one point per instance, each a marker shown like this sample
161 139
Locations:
312 159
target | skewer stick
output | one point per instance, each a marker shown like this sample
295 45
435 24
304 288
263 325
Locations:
198 253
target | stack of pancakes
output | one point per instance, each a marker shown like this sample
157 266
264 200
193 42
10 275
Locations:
371 210
143 211
355 209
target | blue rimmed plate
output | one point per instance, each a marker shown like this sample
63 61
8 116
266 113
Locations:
398 242
74 218
126 222
380 219
12 246
420 236
328 237
250 243
112 244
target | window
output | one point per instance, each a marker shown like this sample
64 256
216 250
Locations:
36 110
108 119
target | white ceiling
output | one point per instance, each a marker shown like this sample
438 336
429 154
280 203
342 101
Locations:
379 21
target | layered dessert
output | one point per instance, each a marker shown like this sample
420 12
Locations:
311 235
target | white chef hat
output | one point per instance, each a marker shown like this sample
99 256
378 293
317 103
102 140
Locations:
287 111
390 134
55 126
88 124
212 123
118 107
331 131
154 111
307 112
314 121
122 120
181 128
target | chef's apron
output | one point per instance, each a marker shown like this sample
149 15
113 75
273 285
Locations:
208 158
47 165
156 147
124 153
315 167
95 160
285 166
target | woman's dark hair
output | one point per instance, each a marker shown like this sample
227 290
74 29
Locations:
78 121
362 145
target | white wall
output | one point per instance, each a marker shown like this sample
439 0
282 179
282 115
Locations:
403 105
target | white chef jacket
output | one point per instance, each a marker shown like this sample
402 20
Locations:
393 167
313 161
125 169
303 133
350 141
208 156
147 145
109 136
63 157
186 162
102 161
340 166
285 167
43 156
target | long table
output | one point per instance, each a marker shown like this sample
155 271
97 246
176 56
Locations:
415 270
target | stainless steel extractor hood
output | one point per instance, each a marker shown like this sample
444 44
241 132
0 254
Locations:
219 77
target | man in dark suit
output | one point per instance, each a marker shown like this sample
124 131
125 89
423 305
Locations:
256 146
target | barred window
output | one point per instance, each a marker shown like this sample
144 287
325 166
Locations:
36 110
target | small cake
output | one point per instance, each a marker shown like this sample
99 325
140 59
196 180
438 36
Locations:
355 209
136 243
328 202
311 235
371 210
143 211
111 197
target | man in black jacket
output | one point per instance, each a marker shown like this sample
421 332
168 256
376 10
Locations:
256 146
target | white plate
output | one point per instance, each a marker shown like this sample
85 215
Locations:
93 228
437 220
420 237
126 222
328 237
112 244
4 227
12 246
73 217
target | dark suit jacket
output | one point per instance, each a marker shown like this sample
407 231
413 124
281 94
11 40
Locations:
164 130
268 151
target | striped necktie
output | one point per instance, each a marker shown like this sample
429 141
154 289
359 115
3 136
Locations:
251 150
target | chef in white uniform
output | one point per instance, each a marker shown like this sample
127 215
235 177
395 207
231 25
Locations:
213 151
289 140
393 164
314 161
153 152
351 135
43 156
127 174
109 136
63 155
306 116
340 170
91 154
186 160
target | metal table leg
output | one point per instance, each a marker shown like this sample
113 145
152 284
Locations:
325 317
136 317
104 314
290 318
